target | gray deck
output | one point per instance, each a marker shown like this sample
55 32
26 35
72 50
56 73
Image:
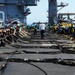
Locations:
22 68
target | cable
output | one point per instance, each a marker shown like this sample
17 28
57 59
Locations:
69 62
42 52
37 67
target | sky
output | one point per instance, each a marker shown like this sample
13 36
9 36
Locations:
39 12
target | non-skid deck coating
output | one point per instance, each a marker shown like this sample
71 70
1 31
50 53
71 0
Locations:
22 68
15 68
49 68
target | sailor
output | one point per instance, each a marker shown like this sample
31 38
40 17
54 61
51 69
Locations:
17 30
74 31
35 30
42 28
2 37
2 43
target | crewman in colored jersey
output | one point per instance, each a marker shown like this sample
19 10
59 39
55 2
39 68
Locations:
42 28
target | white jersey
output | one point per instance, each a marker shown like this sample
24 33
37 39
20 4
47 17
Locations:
74 26
42 26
